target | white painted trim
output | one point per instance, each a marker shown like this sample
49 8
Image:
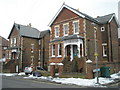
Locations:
58 50
115 19
74 27
52 63
78 42
52 51
104 44
61 10
58 30
64 30
103 29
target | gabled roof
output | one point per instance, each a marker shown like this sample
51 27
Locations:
26 31
83 15
107 18
3 41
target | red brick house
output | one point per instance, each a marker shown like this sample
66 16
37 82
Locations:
25 48
3 47
73 34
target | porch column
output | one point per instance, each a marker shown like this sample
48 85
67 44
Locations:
52 69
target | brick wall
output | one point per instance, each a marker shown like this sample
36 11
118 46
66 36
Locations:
27 54
44 51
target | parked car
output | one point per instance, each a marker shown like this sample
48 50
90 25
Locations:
40 68
28 70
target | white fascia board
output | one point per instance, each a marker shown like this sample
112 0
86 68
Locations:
115 20
61 10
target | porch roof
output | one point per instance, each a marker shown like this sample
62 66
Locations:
10 48
67 38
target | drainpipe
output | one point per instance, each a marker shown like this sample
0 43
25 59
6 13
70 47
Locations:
111 42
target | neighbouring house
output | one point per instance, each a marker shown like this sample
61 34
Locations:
24 48
119 49
74 36
44 49
3 47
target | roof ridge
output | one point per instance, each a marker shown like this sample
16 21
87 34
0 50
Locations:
26 26
105 15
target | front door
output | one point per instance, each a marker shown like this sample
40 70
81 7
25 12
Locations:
75 51
68 51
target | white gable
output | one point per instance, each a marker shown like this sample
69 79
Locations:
64 6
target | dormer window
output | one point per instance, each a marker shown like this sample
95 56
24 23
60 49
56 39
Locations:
65 29
76 27
102 29
56 31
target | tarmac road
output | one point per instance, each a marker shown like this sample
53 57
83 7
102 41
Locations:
20 82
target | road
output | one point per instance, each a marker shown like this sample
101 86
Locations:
115 85
20 82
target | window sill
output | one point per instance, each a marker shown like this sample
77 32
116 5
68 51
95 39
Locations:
59 56
76 33
105 56
52 56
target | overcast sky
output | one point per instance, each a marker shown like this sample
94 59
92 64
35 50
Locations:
40 12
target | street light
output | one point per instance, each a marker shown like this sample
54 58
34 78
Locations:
96 54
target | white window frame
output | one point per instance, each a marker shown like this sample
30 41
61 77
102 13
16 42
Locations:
39 42
14 41
57 31
59 49
11 42
77 21
32 48
53 55
102 29
39 54
67 29
104 44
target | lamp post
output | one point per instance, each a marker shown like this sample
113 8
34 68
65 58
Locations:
96 54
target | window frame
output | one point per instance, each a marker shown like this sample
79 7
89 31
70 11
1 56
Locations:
67 29
53 50
57 31
32 48
59 48
11 42
39 54
76 21
15 41
103 49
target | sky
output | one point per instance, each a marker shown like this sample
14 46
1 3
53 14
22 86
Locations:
40 12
